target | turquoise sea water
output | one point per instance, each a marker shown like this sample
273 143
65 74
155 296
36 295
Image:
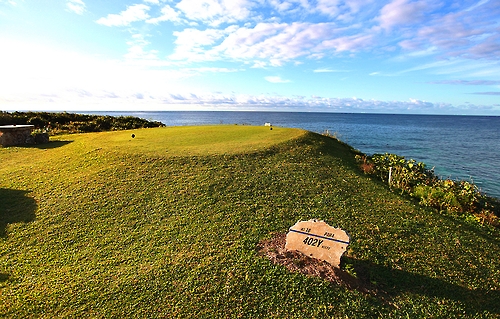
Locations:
458 147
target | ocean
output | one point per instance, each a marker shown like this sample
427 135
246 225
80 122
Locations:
457 147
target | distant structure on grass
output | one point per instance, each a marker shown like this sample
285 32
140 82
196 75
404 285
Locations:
12 135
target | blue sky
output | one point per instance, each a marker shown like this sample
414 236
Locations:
400 56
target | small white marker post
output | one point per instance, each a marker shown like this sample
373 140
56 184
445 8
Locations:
319 240
390 176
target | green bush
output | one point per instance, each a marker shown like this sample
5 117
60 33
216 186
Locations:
414 179
449 195
62 123
403 174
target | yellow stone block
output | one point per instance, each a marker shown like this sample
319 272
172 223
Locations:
317 239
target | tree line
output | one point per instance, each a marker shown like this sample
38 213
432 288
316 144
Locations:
64 122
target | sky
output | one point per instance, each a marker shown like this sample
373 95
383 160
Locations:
396 56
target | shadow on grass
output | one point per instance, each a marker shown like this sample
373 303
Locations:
4 277
15 207
45 146
336 148
395 282
484 232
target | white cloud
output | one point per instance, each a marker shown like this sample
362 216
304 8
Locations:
276 79
467 82
211 70
478 4
215 12
133 13
281 6
259 65
432 50
76 6
175 99
260 37
257 42
265 43
167 14
284 31
64 76
328 7
349 43
487 93
138 49
469 33
355 6
402 12
448 32
328 70
195 45
487 49
458 67
55 79
11 2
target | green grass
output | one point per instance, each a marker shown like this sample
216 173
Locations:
166 225
197 140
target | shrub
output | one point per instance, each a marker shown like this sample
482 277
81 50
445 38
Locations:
61 123
403 174
415 179
448 195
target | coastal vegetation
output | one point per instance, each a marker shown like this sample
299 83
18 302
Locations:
415 179
167 224
64 123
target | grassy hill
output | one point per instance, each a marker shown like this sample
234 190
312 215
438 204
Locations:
166 225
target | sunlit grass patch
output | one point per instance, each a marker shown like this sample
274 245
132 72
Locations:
194 140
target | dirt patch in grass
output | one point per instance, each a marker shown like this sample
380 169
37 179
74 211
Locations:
274 250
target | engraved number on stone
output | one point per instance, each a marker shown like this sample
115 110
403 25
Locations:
315 242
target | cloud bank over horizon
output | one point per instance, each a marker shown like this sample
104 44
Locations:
399 56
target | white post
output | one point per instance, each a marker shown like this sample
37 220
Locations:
390 175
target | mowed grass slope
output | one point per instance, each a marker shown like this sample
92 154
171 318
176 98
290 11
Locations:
166 225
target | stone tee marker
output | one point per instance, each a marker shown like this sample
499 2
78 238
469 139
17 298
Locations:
317 239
